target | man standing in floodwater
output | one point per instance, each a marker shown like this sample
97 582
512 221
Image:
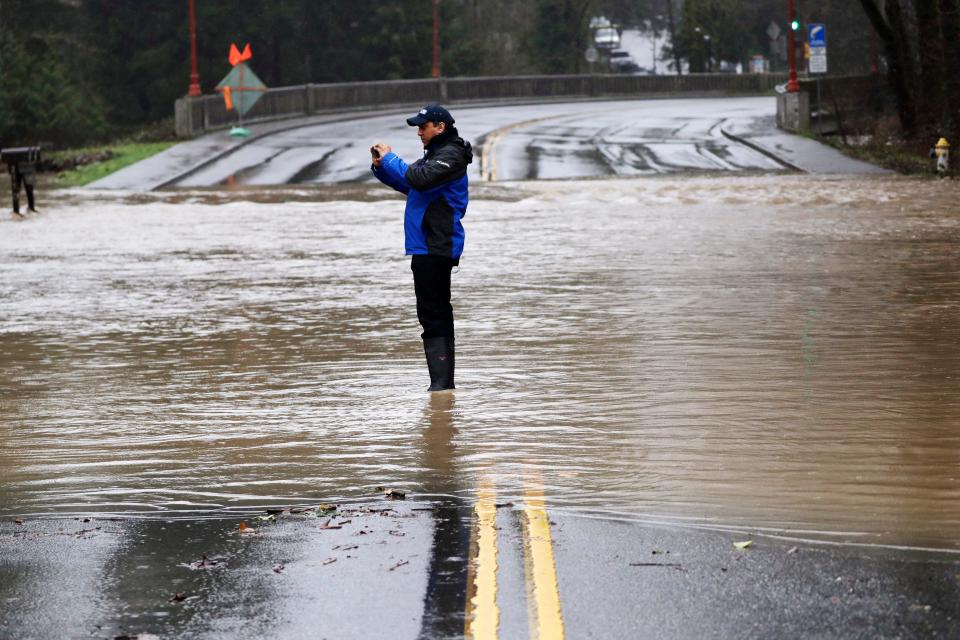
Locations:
437 193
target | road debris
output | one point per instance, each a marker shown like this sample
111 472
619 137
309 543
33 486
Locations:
324 510
179 596
746 544
398 565
673 565
206 563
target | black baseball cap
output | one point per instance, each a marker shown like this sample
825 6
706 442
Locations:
430 113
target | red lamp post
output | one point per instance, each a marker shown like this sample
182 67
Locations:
194 90
435 72
792 85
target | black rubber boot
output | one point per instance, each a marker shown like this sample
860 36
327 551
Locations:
440 362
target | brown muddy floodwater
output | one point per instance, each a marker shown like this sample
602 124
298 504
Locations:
779 353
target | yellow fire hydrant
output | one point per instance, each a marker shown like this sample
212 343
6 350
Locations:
942 154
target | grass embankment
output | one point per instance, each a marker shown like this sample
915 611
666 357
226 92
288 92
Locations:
901 156
107 159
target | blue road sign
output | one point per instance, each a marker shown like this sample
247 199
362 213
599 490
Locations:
816 35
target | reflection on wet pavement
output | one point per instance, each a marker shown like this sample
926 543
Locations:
446 592
779 352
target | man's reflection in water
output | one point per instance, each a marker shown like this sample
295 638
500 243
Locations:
445 600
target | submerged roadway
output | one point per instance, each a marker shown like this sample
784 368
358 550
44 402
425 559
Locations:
440 565
518 142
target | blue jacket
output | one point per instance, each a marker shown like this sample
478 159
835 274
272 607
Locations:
436 189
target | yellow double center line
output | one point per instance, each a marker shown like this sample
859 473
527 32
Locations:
545 615
483 614
488 152
543 593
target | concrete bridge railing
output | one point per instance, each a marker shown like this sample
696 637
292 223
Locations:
195 116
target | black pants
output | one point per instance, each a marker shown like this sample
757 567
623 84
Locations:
431 281
16 179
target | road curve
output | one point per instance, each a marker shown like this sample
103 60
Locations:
544 141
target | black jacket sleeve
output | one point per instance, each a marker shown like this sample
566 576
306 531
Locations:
446 164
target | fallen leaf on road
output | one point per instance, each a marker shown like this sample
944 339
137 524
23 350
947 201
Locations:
746 544
18 521
179 596
324 511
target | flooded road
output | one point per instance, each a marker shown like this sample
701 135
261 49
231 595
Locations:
779 352
517 142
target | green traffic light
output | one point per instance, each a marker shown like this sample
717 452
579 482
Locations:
795 25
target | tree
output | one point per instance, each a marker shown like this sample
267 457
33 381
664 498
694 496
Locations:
45 95
950 32
923 56
559 35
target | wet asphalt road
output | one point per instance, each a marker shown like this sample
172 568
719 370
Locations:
416 570
544 141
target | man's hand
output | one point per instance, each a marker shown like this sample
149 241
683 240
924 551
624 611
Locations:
382 149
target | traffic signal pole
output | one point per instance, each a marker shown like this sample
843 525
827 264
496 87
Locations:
194 89
792 85
435 71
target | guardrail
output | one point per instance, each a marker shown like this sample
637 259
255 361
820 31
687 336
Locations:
195 116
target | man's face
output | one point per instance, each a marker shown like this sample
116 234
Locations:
430 130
